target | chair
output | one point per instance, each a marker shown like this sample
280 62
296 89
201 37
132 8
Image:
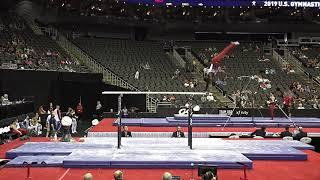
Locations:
287 138
234 137
258 137
306 140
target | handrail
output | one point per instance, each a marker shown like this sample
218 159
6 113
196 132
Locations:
283 60
108 76
179 59
111 77
297 64
293 58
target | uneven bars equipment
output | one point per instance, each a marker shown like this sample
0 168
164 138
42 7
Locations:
146 92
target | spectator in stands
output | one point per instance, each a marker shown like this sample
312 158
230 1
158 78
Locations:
176 74
136 75
210 97
259 132
300 134
186 83
270 71
126 132
194 65
208 176
35 125
118 175
205 73
15 129
88 176
5 99
26 122
172 99
191 85
315 102
164 99
50 107
146 66
41 110
178 133
167 176
285 133
49 53
300 105
125 112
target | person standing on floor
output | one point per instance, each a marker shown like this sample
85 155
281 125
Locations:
99 109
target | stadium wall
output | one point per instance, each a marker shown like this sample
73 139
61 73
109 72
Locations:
61 88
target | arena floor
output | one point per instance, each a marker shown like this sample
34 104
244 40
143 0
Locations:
263 169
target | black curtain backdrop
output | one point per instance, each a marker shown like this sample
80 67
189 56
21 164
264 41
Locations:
48 86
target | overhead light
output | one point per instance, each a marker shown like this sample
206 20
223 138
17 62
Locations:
200 4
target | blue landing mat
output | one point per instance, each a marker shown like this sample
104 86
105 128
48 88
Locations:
139 158
42 161
156 152
216 121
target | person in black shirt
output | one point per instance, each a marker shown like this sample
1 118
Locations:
178 133
300 134
126 132
286 133
259 132
51 125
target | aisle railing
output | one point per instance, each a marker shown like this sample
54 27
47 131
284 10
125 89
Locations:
108 76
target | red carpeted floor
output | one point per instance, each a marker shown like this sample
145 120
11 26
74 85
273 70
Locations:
262 170
106 126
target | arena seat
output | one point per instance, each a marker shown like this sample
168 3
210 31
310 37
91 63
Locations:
306 140
125 57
